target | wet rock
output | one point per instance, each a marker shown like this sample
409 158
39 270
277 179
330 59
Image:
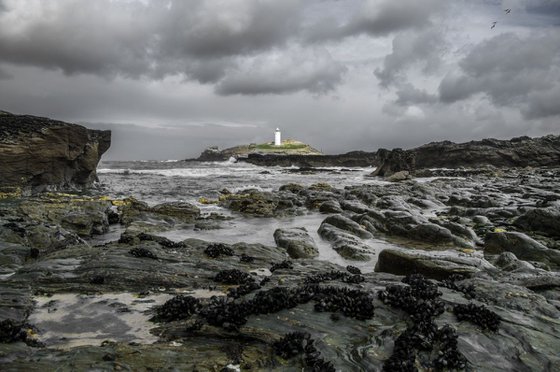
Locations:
544 220
346 224
183 211
434 267
297 242
330 206
286 265
345 244
399 176
524 247
142 252
354 206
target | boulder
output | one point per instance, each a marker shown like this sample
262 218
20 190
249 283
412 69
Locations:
399 176
432 266
545 220
297 242
183 211
524 247
39 153
346 224
345 244
330 206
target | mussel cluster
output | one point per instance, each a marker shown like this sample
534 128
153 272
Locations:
164 242
421 300
451 283
218 249
142 252
12 331
230 314
297 343
233 276
244 289
177 308
479 315
353 270
447 356
335 275
286 264
350 302
246 258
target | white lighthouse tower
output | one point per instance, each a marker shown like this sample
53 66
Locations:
277 137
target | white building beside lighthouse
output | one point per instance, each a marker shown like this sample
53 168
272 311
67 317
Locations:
277 137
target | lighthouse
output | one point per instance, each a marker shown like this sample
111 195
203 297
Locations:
277 137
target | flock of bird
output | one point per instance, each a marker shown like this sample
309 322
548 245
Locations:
507 11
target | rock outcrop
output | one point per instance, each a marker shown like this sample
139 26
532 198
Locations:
517 152
39 153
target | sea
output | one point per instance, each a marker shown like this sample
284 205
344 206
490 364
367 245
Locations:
157 182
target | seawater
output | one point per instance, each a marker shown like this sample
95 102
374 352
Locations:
166 181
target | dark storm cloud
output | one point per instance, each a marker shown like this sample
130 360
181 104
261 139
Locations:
154 39
510 70
411 48
210 42
376 18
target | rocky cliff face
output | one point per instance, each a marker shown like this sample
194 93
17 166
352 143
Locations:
517 152
38 153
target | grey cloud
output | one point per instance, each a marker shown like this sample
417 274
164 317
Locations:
377 18
508 69
198 40
311 69
410 48
407 94
543 104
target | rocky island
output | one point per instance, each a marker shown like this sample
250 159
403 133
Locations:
458 271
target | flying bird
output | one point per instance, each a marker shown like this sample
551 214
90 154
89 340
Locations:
507 11
493 25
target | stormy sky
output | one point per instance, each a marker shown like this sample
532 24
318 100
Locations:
171 77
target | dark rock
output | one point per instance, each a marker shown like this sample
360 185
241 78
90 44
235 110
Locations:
517 152
330 206
297 242
142 252
286 264
545 220
436 267
524 247
39 153
346 224
183 211
345 244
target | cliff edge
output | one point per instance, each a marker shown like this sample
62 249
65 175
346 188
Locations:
517 152
39 154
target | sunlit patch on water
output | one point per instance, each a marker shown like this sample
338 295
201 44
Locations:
70 320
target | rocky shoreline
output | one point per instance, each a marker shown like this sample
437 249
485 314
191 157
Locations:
516 152
473 282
